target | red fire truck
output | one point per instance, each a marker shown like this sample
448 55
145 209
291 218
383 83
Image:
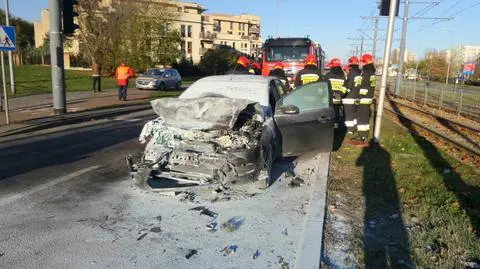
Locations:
292 52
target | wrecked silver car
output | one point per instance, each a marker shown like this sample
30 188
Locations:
229 129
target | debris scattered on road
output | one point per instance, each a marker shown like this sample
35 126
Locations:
208 212
2 254
232 224
187 196
197 208
296 182
190 253
256 254
285 232
141 236
282 263
156 230
288 174
221 199
394 216
159 218
229 250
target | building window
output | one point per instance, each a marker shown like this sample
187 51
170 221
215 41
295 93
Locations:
189 47
189 31
182 49
179 9
243 27
231 25
233 44
182 30
239 27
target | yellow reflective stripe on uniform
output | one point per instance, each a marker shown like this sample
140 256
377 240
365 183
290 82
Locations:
348 101
366 101
358 81
337 101
363 91
337 85
363 127
309 78
373 82
251 71
350 123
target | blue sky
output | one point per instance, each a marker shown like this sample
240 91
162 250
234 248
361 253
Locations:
332 22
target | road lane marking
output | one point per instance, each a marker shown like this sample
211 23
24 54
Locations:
13 198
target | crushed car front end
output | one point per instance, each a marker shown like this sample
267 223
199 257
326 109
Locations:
202 141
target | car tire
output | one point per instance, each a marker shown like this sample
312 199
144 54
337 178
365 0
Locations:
161 86
178 86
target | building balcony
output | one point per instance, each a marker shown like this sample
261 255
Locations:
208 36
254 30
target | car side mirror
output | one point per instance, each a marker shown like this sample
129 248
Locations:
289 109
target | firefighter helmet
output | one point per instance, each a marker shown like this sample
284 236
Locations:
353 60
367 59
335 62
243 61
278 65
311 60
256 65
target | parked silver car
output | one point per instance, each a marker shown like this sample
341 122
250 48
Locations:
159 79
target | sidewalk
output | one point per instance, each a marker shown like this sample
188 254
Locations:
38 106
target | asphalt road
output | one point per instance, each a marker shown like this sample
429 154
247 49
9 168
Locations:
66 202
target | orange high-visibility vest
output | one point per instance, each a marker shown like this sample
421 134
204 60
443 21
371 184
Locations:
122 72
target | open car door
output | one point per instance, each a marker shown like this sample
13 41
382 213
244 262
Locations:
305 119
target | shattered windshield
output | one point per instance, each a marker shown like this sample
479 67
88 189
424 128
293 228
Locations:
286 53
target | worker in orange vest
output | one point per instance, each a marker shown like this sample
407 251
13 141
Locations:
123 73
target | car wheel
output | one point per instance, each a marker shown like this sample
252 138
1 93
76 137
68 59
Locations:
161 87
178 86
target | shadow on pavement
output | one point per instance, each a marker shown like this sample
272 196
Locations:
467 195
385 238
64 149
282 166
338 137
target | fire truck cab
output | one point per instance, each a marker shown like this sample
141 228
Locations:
292 53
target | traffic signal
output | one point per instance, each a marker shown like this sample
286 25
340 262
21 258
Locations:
69 14
385 7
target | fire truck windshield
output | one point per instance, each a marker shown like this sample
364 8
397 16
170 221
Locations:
274 54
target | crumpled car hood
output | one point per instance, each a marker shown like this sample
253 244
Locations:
204 113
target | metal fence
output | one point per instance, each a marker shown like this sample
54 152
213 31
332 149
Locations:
459 99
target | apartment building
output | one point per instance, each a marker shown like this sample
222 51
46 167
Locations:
199 31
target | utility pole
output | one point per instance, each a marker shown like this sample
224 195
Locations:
386 56
10 56
375 32
7 118
56 54
402 48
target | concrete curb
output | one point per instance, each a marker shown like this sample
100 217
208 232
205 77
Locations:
73 118
310 247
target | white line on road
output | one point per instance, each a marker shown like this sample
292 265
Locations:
13 198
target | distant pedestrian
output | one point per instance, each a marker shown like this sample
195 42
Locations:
123 73
97 77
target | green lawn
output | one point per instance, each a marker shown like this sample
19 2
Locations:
408 202
35 79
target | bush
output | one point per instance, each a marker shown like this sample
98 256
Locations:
188 69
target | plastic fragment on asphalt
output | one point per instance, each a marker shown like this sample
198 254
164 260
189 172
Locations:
208 212
190 253
156 230
256 254
197 208
232 224
296 182
141 236
229 250
282 263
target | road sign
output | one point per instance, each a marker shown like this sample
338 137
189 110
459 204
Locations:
7 38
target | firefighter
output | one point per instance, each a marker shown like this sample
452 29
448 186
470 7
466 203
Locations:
279 73
310 73
336 77
257 68
354 80
123 73
242 67
366 91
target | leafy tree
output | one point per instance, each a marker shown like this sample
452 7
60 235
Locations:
218 61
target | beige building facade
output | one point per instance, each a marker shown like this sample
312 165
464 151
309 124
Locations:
199 31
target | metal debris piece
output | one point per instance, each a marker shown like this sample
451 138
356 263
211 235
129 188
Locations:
256 254
232 224
229 250
208 212
141 236
198 208
212 226
156 230
187 196
221 199
285 232
190 253
159 218
282 263
288 174
296 182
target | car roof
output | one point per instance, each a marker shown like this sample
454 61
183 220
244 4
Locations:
250 87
